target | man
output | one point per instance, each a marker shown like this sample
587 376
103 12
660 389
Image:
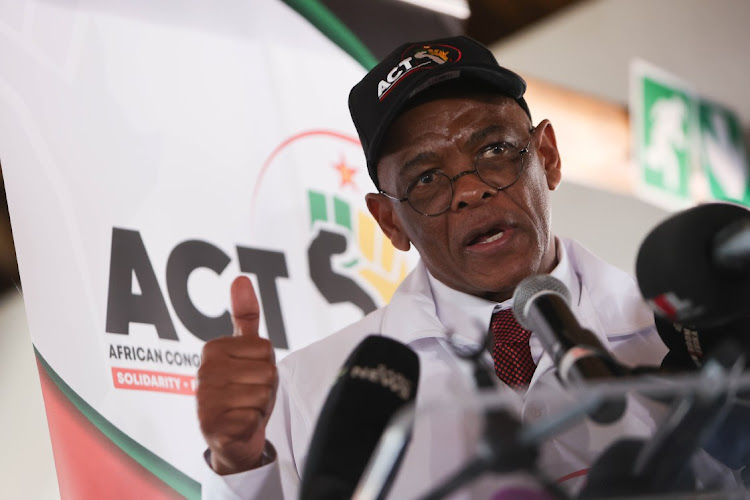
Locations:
464 175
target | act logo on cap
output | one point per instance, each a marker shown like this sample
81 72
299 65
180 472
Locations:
414 58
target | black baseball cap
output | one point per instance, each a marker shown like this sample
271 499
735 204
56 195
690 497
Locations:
411 68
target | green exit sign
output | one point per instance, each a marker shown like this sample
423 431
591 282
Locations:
687 148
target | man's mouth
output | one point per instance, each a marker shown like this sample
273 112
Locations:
488 237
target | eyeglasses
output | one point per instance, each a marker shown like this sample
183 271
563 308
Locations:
499 166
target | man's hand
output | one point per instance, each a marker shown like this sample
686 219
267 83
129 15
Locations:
237 383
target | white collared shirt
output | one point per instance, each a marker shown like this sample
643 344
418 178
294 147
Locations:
469 316
421 314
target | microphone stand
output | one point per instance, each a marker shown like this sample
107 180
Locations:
660 464
507 446
499 451
691 421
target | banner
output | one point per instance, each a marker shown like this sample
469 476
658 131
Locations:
151 153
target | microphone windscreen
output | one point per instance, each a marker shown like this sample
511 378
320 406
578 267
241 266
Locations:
528 289
733 246
678 272
379 377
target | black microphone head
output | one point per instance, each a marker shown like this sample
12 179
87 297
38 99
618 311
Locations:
378 378
680 275
528 289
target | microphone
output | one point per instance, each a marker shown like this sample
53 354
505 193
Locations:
385 460
732 246
541 304
694 268
378 378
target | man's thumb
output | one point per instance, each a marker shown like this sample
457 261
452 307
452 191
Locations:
245 307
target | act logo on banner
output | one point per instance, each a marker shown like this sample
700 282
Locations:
335 251
315 246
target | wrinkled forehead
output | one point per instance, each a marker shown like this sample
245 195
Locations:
456 89
505 110
506 114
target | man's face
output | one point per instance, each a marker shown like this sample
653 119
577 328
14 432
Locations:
488 240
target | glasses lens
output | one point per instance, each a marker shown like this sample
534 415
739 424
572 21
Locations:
500 166
430 193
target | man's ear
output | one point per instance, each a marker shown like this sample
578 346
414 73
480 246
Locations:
548 153
381 209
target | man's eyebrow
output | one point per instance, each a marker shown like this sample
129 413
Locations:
419 159
475 139
480 135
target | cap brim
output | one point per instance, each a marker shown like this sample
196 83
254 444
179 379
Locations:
504 81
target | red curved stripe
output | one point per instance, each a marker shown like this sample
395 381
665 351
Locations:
88 464
577 473
285 143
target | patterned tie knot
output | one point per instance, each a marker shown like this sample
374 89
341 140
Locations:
506 329
510 350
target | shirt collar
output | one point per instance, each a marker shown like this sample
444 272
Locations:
467 316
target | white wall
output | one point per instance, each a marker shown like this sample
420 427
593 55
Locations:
610 225
26 466
588 48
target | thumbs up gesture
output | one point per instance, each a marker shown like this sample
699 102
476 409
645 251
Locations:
237 383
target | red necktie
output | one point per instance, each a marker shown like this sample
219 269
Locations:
510 350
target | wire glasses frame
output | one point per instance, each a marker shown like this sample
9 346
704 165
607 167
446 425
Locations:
499 166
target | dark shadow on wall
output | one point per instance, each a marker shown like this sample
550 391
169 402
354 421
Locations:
384 24
9 277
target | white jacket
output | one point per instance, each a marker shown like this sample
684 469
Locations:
608 302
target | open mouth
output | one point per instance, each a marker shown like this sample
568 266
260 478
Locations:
487 237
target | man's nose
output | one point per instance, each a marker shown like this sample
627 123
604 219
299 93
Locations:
469 189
